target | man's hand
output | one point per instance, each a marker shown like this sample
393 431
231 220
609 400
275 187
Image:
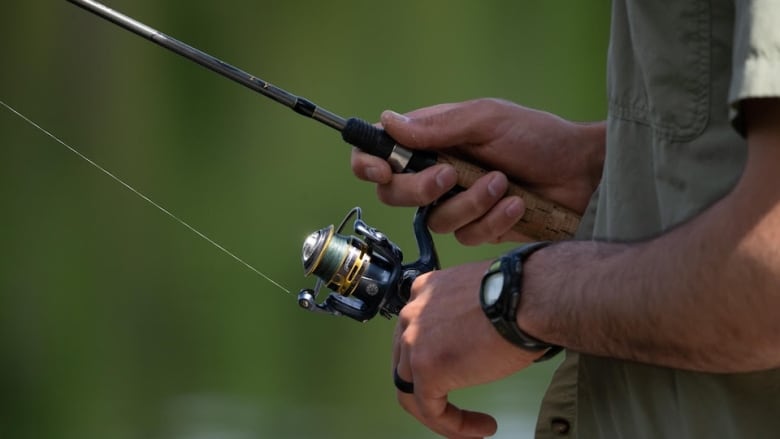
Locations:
552 157
444 342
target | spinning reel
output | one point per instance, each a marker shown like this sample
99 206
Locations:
366 276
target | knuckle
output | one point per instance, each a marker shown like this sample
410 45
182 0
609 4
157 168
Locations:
407 340
369 168
357 161
498 225
403 401
485 102
424 197
476 203
404 319
428 190
438 227
423 364
486 192
441 221
408 190
355 158
490 228
489 104
468 237
384 194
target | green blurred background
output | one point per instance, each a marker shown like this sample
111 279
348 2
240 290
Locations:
117 322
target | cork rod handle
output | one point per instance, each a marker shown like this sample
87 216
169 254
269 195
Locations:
543 220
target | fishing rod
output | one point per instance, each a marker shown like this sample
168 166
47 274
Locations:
543 219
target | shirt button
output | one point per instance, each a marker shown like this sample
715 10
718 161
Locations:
560 426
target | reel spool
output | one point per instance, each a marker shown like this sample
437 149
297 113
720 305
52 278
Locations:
364 273
339 259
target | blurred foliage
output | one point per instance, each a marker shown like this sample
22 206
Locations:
117 322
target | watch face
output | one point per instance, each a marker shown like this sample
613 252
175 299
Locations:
491 287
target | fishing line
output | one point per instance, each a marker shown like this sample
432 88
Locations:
144 197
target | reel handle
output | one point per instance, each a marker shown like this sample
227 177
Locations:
543 220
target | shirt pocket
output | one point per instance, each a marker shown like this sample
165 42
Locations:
658 71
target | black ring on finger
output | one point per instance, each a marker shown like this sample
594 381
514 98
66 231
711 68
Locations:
401 384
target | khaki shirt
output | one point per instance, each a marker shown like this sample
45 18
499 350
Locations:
676 74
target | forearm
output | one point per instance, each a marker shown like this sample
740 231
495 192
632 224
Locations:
703 296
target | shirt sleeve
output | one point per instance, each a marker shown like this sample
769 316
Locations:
756 54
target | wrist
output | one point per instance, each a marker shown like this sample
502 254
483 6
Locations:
591 141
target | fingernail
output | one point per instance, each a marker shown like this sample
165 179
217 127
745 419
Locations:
446 178
497 186
395 116
514 209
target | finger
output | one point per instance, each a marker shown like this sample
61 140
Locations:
402 369
418 189
402 345
370 168
396 346
401 324
445 418
469 205
495 225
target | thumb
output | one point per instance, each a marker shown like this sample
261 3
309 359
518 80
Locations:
442 126
401 128
422 131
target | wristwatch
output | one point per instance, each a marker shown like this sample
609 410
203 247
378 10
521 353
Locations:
499 295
